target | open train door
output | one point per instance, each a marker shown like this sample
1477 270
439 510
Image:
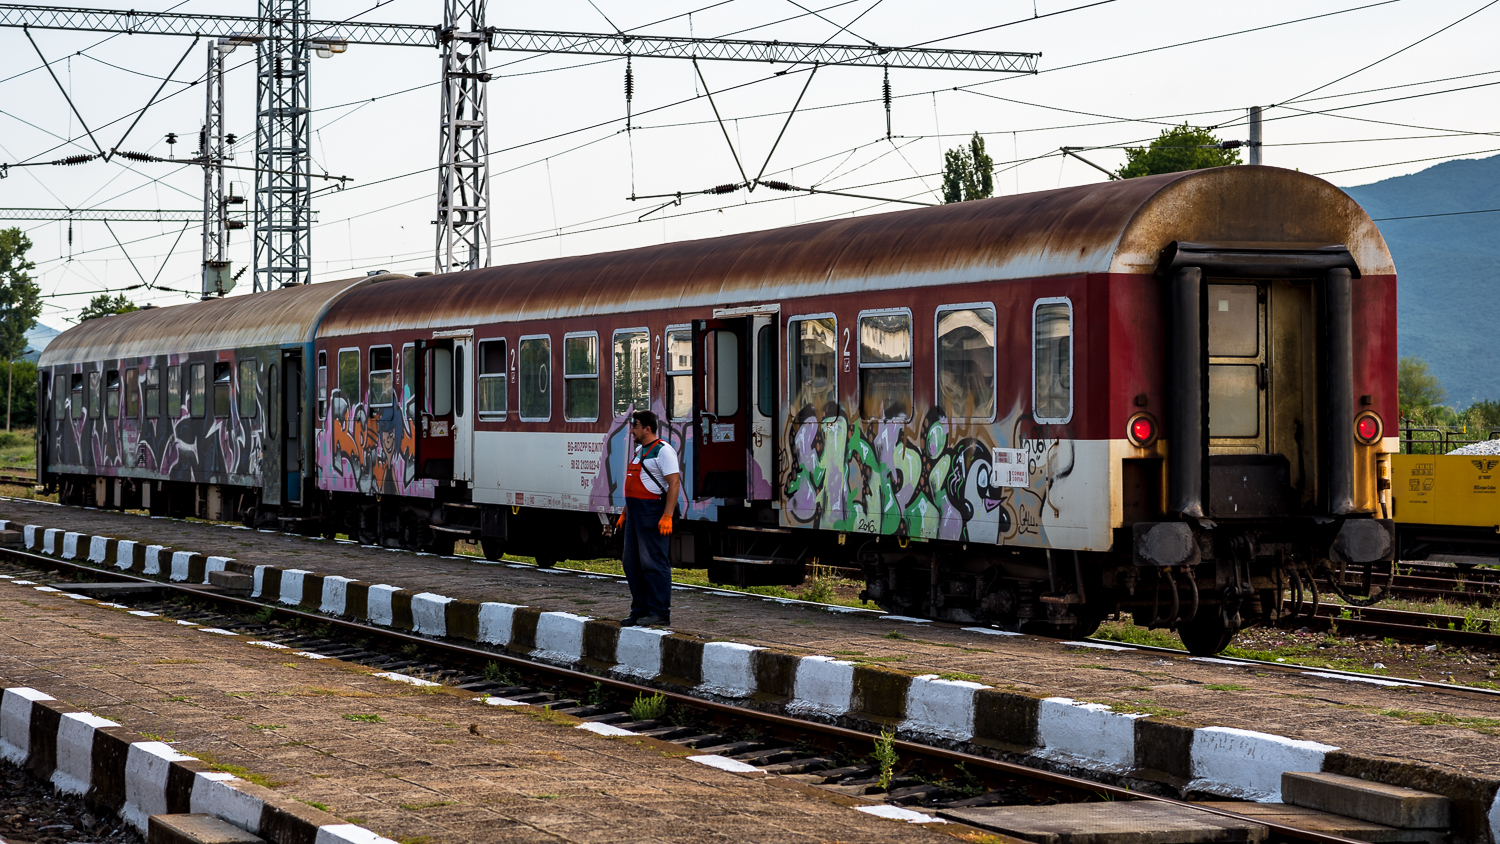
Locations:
292 439
435 400
721 408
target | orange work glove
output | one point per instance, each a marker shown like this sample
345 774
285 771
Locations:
620 522
665 525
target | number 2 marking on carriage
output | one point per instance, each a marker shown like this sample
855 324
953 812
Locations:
846 348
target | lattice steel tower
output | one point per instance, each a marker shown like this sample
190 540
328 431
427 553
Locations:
463 212
283 136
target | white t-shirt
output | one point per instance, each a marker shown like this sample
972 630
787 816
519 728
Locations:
659 467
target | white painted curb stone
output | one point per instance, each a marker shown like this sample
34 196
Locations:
75 751
378 604
15 723
559 637
729 669
429 614
336 594
146 767
823 685
1247 764
495 622
941 707
638 651
1090 733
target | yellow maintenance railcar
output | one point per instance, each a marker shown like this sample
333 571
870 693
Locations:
1447 507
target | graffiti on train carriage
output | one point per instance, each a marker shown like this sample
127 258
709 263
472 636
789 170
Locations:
122 418
370 449
942 479
607 491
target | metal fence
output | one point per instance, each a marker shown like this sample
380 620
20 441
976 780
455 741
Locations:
1441 439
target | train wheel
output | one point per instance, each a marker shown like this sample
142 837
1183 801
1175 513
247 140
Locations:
546 561
1205 634
493 547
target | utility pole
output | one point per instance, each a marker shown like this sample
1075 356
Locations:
283 140
1254 134
217 279
463 201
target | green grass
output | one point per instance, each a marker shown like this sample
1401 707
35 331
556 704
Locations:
1126 632
1143 707
363 717
18 448
959 675
1226 687
649 708
820 588
1487 726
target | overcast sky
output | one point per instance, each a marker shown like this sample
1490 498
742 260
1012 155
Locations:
563 167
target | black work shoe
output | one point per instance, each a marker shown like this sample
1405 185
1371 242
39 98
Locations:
652 621
630 620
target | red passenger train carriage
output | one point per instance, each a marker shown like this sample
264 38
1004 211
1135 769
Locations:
1158 395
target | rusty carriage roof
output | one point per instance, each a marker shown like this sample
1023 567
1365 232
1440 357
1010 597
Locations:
275 318
1119 226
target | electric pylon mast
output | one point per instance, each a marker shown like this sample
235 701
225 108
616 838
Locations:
463 200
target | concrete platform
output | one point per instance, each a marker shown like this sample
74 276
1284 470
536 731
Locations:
1317 821
1140 822
196 829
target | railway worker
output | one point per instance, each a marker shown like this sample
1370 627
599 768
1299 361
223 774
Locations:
651 484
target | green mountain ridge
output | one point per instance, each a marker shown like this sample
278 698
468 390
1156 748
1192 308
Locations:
1447 269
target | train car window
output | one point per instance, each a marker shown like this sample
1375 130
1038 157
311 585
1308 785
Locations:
273 400
112 394
249 375
322 386
493 391
197 391
94 394
680 374
812 364
765 368
1233 320
348 380
153 392
174 392
439 381
966 362
536 376
409 380
1052 361
75 390
382 375
223 388
59 397
885 366
459 384
133 393
581 377
632 371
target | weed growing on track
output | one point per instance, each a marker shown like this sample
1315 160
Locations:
885 756
495 674
597 696
649 708
363 717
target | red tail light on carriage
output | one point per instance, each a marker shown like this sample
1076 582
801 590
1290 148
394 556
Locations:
1141 430
1367 428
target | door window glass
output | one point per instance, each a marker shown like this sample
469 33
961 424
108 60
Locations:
382 389
153 392
966 362
632 371
460 386
174 392
133 393
812 364
112 393
721 373
273 400
198 390
765 368
1233 320
440 381
94 394
222 373
492 379
885 366
1233 400
535 374
680 374
59 396
581 378
249 370
1052 362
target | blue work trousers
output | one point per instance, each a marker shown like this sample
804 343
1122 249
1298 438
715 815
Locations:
648 569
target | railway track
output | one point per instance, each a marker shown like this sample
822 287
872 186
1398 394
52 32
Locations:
1425 628
1437 582
17 478
926 779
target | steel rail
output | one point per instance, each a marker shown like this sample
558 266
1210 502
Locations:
1411 626
526 40
575 678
